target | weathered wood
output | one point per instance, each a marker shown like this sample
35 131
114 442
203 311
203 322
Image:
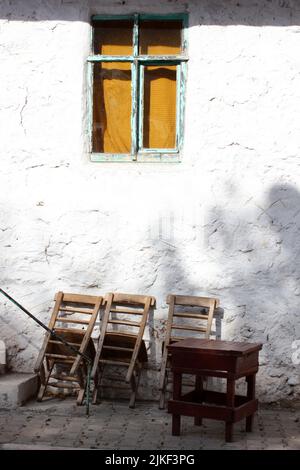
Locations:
62 384
53 341
192 300
72 320
138 61
115 363
79 298
124 348
139 339
132 299
62 377
117 348
125 322
211 357
126 310
54 353
162 383
196 322
217 347
88 333
59 356
195 315
58 299
76 310
105 318
189 328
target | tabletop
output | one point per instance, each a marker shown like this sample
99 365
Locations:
214 347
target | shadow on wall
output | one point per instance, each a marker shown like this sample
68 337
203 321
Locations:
255 255
259 254
217 12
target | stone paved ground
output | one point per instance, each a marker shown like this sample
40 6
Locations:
112 425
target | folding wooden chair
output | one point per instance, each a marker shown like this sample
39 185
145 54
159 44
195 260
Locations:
191 316
73 318
121 337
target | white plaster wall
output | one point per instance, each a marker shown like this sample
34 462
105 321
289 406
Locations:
224 222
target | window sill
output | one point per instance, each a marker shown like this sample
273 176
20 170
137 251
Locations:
140 158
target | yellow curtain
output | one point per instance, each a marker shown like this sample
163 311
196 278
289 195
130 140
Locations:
112 108
159 107
113 37
160 37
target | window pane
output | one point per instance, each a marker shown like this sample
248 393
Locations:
159 125
112 108
113 37
160 37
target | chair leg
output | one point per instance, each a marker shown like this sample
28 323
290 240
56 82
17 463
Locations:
162 400
82 384
97 378
134 382
163 377
164 392
80 397
97 382
44 378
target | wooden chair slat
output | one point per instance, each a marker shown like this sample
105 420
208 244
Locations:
76 310
64 377
196 322
72 320
126 310
125 322
60 384
119 347
54 353
53 341
114 363
195 315
80 298
192 300
59 356
132 299
189 328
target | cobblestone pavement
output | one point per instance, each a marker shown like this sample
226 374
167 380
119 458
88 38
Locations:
112 425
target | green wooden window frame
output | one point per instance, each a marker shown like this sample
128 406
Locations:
138 62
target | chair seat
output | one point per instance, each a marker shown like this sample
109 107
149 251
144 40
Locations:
73 337
121 337
122 340
188 316
58 364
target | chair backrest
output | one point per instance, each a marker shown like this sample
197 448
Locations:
73 318
189 316
123 322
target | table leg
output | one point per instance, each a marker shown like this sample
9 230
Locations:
198 391
251 396
177 380
230 392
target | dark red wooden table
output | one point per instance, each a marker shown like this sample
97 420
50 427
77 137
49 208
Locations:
215 358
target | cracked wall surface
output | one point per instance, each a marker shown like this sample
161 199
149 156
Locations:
225 222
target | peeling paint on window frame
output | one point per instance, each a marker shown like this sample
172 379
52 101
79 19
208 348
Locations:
138 62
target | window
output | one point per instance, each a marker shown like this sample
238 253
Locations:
137 79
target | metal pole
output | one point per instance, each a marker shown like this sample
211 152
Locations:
62 340
52 332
